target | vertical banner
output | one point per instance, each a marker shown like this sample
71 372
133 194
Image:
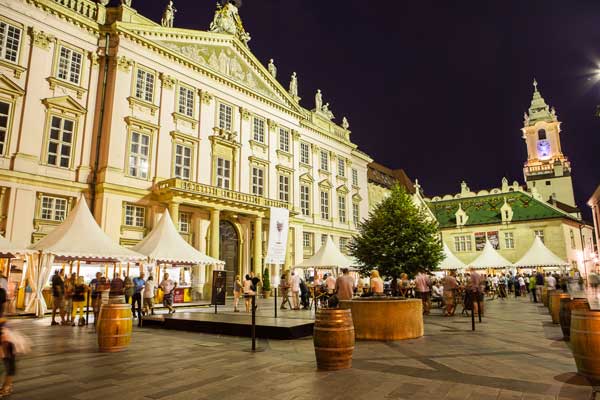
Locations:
278 235
219 285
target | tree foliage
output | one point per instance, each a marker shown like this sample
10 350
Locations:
398 237
266 281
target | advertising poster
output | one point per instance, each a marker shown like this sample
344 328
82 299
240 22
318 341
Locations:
492 236
494 239
479 241
278 235
219 285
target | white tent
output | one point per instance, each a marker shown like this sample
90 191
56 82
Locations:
328 256
165 245
451 262
490 258
539 255
78 237
9 249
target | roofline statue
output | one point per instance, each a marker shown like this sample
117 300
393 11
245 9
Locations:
227 20
168 16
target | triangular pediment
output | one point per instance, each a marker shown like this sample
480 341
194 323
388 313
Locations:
342 189
307 177
9 87
64 103
221 54
325 184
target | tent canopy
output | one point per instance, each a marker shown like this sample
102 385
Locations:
490 258
165 245
328 256
9 249
539 255
451 262
80 237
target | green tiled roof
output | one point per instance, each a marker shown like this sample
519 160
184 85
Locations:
486 209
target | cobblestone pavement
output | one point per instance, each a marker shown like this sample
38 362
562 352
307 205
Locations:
516 353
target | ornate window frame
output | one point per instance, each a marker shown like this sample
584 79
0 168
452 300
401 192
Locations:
179 116
15 66
54 80
256 162
10 93
146 128
179 138
133 99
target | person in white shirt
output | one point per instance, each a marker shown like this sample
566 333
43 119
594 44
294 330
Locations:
551 282
330 282
149 296
295 286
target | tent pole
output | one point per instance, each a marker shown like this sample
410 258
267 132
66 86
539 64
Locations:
127 268
78 266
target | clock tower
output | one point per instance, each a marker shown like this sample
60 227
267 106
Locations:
547 169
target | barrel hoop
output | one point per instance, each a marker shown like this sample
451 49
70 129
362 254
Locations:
332 349
584 332
114 336
318 328
583 357
114 319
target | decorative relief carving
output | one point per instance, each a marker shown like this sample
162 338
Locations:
167 81
124 63
40 38
245 113
94 57
272 124
206 97
295 134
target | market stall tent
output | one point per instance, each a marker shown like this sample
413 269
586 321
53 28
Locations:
539 255
78 238
328 256
450 262
9 250
490 258
165 245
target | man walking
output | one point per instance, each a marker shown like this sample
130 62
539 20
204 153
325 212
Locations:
58 296
295 285
423 291
168 287
138 284
344 285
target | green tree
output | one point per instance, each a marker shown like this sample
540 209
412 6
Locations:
398 237
266 282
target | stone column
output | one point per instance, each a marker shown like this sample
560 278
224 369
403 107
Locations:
258 251
215 218
174 211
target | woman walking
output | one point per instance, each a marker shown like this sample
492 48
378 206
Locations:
237 292
450 285
248 292
79 301
149 296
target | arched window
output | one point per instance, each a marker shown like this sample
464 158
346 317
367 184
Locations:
542 134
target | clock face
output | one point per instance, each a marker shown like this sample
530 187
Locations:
543 148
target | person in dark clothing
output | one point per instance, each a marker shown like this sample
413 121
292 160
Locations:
304 298
139 283
255 281
9 360
58 296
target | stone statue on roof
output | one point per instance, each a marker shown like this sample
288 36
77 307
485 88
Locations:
227 20
168 16
272 68
294 85
345 123
526 119
318 101
125 3
327 112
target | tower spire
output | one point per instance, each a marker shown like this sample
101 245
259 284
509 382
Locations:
539 110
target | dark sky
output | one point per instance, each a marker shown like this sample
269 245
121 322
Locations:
437 87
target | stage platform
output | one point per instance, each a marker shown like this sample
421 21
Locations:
231 324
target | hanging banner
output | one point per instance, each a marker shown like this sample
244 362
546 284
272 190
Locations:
278 235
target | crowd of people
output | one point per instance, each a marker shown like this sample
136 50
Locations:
69 295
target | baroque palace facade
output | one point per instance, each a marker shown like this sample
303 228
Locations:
140 117
511 216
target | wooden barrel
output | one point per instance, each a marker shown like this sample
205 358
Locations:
566 306
333 339
555 305
545 296
114 327
585 342
549 305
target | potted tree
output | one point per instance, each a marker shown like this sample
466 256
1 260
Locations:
398 237
266 283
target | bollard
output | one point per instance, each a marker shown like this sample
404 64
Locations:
253 322
275 292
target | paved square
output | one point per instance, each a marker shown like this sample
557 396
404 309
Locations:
516 353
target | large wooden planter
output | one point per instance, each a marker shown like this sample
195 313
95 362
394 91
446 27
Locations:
545 296
549 305
386 318
566 307
585 342
555 305
333 339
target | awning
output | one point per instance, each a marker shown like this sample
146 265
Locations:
539 255
490 258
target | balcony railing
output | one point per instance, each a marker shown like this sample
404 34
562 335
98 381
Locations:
87 8
219 194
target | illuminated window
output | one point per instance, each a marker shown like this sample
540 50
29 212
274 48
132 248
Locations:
223 173
183 162
324 160
462 243
342 209
225 117
324 204
69 65
4 122
305 200
284 140
509 240
60 142
284 188
135 216
304 153
258 128
53 208
355 213
184 222
341 167
139 155
354 177
10 37
258 181
144 85
186 101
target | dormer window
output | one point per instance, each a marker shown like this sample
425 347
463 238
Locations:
542 134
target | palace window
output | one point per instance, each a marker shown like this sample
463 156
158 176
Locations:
343 244
509 240
186 101
60 141
324 204
53 208
304 153
258 181
135 216
139 155
342 208
305 200
4 119
223 173
572 235
354 177
144 85
539 233
542 134
341 167
258 128
323 239
183 162
462 243
184 222
284 140
355 213
10 37
225 117
324 160
284 188
69 65
307 240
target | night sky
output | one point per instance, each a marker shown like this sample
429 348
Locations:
438 88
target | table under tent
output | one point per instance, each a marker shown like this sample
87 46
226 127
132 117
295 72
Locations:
78 239
167 251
